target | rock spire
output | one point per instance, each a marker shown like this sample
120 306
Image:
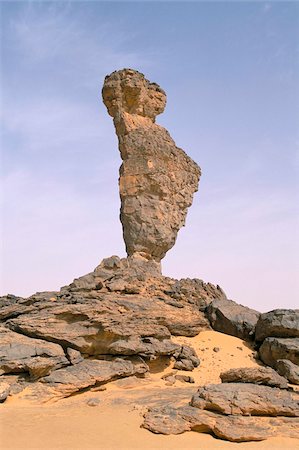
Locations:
157 179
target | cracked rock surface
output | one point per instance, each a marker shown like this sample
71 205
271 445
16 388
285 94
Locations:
157 179
235 412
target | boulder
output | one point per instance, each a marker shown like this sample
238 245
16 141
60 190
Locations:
157 179
231 318
288 370
282 323
4 391
246 399
186 359
273 349
255 375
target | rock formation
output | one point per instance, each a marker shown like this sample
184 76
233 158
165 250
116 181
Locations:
157 179
119 321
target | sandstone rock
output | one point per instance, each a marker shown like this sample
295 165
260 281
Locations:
273 349
74 356
282 323
157 179
88 373
233 319
168 420
186 359
256 375
102 322
246 399
20 353
4 391
288 370
93 402
184 378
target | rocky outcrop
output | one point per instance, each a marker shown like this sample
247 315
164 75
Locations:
93 372
288 370
236 412
282 323
273 349
246 399
231 318
255 375
119 309
157 179
20 353
168 420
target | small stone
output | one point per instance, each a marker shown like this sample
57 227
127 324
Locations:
185 378
74 356
93 402
170 380
216 349
98 388
4 391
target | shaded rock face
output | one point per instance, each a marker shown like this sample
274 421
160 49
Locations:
273 349
20 353
88 373
231 318
283 323
288 370
157 179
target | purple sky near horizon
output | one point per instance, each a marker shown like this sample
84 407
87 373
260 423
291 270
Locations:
230 71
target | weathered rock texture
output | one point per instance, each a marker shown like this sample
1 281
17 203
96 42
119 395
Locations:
273 349
288 370
236 412
246 399
157 179
168 420
255 375
231 318
283 323
118 310
20 353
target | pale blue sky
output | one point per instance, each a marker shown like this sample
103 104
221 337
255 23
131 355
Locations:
230 70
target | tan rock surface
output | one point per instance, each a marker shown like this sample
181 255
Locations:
256 375
157 179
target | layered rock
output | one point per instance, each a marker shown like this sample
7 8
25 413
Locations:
255 375
237 412
119 309
157 179
168 420
93 372
20 353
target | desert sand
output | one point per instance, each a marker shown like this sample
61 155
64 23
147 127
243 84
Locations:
114 422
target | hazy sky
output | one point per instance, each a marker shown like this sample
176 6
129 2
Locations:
230 70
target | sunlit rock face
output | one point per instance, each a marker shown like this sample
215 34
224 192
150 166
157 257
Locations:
157 179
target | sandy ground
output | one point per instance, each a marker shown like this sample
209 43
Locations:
114 423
